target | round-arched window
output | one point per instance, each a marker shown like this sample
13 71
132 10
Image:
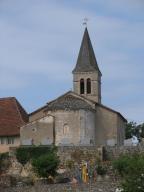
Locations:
88 85
82 86
65 129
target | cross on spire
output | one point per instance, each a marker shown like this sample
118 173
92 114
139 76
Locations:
85 21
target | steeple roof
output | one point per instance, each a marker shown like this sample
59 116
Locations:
86 61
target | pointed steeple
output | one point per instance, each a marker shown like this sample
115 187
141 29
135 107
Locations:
86 61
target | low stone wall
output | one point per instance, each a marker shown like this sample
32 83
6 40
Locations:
114 152
79 153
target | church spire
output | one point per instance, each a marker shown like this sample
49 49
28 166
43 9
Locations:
86 61
86 74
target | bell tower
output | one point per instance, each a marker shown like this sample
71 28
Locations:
86 74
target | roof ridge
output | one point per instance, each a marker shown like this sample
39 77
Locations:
6 98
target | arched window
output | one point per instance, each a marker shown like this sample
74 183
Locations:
65 129
88 85
82 86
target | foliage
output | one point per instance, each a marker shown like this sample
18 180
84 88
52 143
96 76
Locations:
101 169
121 164
4 161
131 168
46 165
22 155
133 129
25 154
130 129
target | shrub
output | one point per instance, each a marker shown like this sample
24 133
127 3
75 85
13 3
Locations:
121 164
101 169
22 155
44 159
132 169
25 154
46 165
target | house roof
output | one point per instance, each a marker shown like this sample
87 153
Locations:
70 101
86 61
12 116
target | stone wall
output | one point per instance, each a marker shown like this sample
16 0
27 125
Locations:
38 132
80 153
106 126
115 152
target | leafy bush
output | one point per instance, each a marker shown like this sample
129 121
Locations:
101 169
121 164
22 155
46 165
132 169
25 154
44 159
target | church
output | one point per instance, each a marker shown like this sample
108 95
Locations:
77 118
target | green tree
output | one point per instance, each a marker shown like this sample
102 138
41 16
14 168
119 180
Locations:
46 165
133 129
141 128
130 129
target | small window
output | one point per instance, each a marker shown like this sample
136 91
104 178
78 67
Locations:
2 140
10 140
82 86
88 86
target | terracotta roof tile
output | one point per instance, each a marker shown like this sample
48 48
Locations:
12 116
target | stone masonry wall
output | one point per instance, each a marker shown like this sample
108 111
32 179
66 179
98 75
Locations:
115 152
79 153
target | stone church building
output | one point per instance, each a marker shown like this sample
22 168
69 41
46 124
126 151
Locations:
77 118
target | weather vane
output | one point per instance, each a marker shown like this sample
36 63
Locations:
85 21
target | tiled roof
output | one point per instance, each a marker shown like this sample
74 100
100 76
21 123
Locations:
86 61
12 116
69 101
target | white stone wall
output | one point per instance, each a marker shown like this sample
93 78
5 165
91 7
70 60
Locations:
74 127
39 132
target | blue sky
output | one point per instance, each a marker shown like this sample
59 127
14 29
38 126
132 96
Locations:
40 41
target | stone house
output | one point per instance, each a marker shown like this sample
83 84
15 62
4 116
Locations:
78 117
12 117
